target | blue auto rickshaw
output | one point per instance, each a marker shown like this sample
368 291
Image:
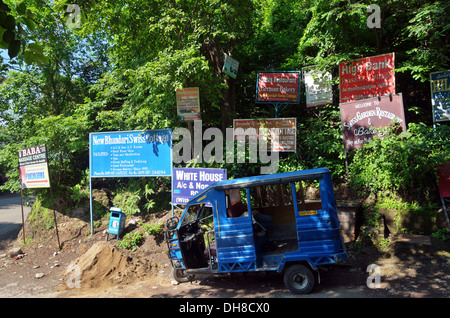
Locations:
261 223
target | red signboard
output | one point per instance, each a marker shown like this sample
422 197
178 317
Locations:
361 119
278 87
443 180
367 77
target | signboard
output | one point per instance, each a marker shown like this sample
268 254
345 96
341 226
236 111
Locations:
131 153
187 182
33 167
367 77
361 119
443 180
278 87
188 103
230 66
440 95
318 87
285 128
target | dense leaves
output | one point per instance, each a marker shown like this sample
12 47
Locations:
115 65
402 163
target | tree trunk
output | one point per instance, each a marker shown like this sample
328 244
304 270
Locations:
216 56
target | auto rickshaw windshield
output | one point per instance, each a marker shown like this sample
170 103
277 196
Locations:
192 213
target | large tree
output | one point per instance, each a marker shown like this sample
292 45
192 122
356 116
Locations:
166 45
40 92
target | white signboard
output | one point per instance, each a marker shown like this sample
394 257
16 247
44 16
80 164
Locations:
318 87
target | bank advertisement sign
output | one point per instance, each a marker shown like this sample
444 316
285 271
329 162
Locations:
318 88
187 182
131 153
361 119
278 87
33 167
440 95
367 77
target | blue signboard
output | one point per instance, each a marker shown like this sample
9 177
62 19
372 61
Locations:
187 182
440 95
131 154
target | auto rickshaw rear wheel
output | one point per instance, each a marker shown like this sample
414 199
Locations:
299 279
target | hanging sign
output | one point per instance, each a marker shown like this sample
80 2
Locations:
440 95
131 153
230 66
33 167
278 87
361 119
187 182
284 128
367 77
318 87
188 103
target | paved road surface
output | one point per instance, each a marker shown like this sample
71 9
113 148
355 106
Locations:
11 215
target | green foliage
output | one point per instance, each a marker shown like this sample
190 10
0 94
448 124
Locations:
119 71
153 229
15 23
401 162
320 141
423 213
40 215
139 195
441 234
131 240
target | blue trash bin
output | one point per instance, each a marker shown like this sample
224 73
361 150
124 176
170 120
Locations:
116 222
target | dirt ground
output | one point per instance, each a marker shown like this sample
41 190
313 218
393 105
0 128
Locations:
89 266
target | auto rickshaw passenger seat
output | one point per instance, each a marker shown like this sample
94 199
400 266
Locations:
236 210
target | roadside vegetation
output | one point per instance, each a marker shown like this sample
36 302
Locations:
116 66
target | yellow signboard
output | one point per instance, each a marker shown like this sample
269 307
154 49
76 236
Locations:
303 213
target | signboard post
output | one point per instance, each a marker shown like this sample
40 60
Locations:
318 88
187 182
129 154
33 173
360 119
440 96
285 128
367 77
278 88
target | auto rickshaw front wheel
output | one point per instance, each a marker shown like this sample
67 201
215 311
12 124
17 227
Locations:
299 279
179 274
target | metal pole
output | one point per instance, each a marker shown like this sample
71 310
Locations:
90 205
23 218
444 207
54 216
171 172
90 186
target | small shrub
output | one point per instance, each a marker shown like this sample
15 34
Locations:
131 241
401 162
442 234
153 229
